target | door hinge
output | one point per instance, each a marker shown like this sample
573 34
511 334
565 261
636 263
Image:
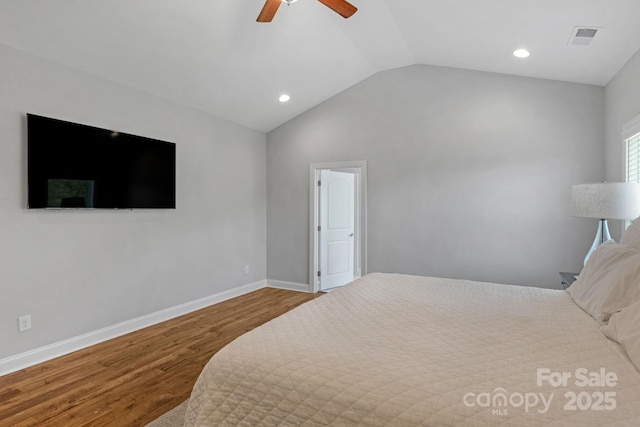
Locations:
318 274
319 228
319 183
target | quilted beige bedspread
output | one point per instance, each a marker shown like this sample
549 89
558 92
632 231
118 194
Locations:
404 350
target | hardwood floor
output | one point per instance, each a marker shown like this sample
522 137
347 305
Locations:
133 379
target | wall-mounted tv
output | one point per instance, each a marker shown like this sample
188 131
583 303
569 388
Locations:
77 166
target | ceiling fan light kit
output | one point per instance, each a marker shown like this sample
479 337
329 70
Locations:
341 7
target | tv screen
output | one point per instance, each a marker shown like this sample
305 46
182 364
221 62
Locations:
77 166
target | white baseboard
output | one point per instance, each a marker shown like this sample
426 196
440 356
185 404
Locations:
51 351
291 286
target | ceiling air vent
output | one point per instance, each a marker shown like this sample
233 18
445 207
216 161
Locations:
583 36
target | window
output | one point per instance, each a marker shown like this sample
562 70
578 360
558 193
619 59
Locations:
633 159
631 138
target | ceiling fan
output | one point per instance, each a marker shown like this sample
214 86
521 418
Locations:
341 7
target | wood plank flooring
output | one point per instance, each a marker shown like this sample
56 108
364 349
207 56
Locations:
133 379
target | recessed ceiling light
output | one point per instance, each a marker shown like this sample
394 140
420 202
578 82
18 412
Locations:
284 97
521 53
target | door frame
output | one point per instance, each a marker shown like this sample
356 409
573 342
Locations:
361 216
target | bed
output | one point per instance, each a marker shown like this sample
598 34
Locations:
392 349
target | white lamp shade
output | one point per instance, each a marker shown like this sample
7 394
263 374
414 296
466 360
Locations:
608 200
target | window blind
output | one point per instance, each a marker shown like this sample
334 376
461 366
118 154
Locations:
633 159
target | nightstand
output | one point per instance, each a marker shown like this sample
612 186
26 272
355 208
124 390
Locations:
568 279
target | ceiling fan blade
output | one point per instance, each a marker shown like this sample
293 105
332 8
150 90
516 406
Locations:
269 10
341 7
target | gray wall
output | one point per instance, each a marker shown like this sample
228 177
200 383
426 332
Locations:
469 173
622 97
79 271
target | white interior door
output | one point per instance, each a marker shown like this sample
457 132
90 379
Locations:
337 228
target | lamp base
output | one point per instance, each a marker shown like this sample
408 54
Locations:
602 235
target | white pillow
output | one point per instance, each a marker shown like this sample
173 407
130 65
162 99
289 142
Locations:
624 328
609 281
631 236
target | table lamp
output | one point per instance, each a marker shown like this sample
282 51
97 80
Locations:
605 200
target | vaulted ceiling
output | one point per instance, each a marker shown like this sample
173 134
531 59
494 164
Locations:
213 56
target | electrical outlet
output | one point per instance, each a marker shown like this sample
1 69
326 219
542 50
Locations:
24 323
246 269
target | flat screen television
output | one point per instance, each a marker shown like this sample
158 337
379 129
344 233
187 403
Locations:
77 166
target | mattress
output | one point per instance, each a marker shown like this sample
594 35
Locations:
405 350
